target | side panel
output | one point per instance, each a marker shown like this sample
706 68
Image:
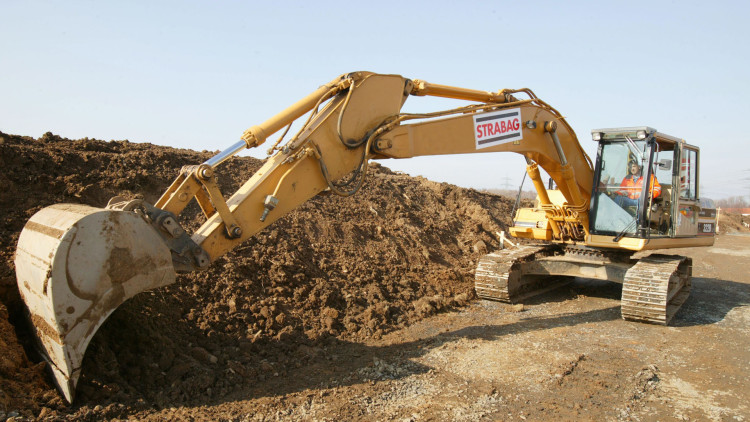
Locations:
707 222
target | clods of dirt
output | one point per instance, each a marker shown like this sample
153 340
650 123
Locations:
336 269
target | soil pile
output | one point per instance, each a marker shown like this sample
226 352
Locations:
733 223
335 269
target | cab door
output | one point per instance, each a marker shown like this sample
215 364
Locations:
688 204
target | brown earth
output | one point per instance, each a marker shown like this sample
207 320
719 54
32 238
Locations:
336 269
362 309
733 223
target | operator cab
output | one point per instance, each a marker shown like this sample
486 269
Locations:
645 188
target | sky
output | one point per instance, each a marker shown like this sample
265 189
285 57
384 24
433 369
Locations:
196 74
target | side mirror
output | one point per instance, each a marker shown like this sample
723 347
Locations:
665 164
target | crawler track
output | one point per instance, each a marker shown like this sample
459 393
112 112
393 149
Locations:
655 288
499 275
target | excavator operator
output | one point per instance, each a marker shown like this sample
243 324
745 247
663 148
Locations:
630 188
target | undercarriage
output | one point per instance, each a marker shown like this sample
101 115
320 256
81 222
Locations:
654 287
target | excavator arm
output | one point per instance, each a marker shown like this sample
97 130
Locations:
75 264
362 122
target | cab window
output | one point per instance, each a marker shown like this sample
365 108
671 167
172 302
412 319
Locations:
663 161
688 175
617 199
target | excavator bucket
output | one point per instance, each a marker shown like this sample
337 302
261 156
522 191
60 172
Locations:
76 264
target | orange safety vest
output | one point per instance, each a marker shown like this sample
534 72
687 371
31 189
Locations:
632 188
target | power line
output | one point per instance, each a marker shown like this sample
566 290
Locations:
507 181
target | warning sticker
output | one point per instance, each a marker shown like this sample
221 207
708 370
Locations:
497 127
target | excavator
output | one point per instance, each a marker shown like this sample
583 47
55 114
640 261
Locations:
75 264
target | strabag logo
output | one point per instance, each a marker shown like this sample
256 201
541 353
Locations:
497 127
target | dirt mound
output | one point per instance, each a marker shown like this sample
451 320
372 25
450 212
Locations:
22 385
336 269
733 223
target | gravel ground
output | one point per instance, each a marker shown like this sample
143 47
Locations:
362 309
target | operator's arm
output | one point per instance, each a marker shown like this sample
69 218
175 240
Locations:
655 187
625 187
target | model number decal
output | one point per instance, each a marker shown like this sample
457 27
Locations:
497 127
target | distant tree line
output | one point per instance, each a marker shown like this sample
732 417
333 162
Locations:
733 202
512 193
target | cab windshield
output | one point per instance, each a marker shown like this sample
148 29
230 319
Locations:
617 203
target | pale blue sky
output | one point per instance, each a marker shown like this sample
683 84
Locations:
196 74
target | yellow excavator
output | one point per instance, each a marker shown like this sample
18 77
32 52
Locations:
75 264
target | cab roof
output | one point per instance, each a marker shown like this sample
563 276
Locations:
633 130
